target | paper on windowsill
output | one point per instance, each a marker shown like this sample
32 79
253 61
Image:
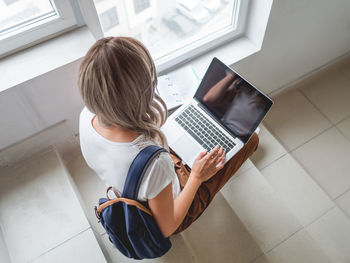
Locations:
178 86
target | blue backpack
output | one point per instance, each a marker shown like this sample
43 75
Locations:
129 223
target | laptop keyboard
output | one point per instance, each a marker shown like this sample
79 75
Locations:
202 130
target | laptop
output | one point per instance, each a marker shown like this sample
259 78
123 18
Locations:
225 110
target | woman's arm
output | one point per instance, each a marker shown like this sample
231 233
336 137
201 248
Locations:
217 93
169 213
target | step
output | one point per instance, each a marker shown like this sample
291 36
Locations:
257 217
221 233
220 236
257 206
40 216
238 243
288 179
232 239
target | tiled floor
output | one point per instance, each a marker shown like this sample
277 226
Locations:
295 188
312 122
332 233
326 158
294 120
299 248
267 219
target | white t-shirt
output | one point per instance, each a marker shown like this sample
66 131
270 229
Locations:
111 161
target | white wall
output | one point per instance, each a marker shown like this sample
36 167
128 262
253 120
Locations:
38 106
301 36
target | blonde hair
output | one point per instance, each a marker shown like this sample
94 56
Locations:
117 81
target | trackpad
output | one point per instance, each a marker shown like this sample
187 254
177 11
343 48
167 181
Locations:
186 148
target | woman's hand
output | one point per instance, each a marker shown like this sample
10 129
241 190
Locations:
208 164
169 213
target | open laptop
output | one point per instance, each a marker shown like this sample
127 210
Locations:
225 111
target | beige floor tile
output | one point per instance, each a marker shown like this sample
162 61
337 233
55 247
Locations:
258 207
326 159
299 248
38 207
248 164
332 234
344 202
82 248
268 151
219 236
330 93
262 259
294 120
344 127
305 199
179 252
90 187
344 66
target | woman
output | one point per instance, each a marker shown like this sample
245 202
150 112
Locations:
123 114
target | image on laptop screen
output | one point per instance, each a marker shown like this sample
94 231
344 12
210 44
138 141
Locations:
237 104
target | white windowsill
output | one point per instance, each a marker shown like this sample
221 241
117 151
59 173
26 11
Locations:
230 53
64 49
40 59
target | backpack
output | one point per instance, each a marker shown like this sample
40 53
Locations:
129 223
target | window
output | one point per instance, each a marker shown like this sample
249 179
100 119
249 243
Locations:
109 18
26 21
172 30
17 14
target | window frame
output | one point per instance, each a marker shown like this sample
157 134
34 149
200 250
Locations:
35 32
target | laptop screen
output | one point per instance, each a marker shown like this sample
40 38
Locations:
237 104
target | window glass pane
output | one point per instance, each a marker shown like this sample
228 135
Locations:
109 18
18 13
140 5
166 25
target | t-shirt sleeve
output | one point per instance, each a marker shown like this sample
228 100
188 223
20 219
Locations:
159 175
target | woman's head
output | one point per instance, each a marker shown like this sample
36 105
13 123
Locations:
117 81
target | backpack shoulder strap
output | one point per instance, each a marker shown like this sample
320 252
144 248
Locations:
137 170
